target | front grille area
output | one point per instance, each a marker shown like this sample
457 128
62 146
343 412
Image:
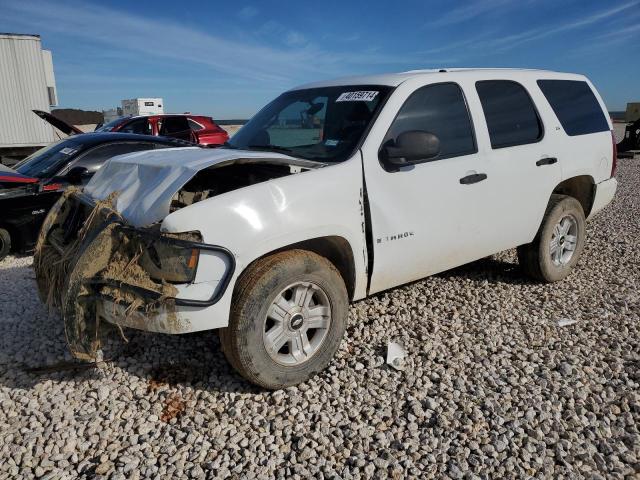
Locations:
63 226
68 225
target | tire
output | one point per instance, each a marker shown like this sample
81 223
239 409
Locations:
5 243
549 262
312 284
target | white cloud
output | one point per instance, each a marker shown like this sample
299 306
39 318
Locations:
172 42
509 42
468 11
351 38
295 38
248 12
608 40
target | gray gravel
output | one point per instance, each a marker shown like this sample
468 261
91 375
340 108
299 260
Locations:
493 387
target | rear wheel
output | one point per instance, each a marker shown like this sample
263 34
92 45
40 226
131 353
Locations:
287 319
5 243
559 241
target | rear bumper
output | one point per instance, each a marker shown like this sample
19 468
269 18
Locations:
605 192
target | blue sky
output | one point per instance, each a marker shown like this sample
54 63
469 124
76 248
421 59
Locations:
227 59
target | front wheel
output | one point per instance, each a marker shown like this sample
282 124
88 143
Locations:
559 241
287 319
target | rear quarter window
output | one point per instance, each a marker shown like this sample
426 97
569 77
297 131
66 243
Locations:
575 105
195 126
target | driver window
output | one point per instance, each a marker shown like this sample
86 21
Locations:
439 109
305 118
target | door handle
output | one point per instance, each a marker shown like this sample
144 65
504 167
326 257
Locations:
546 161
474 178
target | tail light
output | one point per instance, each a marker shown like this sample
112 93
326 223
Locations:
614 162
51 187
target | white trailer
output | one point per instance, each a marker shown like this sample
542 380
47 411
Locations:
142 106
27 83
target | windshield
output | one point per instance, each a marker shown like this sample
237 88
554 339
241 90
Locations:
47 161
324 124
108 126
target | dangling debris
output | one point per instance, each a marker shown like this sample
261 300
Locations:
396 354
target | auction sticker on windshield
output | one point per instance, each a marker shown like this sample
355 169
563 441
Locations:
362 96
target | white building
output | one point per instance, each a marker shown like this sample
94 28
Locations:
142 106
27 82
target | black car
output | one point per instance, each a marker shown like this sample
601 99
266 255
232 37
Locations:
28 192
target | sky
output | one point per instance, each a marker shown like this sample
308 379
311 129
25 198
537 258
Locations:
228 59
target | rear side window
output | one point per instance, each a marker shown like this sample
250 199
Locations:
174 125
439 109
195 126
511 116
575 105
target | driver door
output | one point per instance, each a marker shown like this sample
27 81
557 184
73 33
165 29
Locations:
430 216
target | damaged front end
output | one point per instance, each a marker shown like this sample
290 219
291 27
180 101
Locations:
92 266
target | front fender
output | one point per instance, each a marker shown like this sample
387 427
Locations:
255 220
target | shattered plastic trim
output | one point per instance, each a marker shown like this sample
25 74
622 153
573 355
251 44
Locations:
100 264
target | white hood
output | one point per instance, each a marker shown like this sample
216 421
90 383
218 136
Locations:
147 181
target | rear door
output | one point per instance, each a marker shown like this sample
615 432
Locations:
525 159
176 127
581 127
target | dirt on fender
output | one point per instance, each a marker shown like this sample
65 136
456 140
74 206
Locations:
101 262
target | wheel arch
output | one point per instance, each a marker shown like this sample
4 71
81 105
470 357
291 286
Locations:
334 248
580 187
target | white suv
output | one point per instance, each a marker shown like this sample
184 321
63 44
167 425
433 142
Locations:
334 191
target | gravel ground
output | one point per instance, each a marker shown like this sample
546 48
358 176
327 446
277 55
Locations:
493 388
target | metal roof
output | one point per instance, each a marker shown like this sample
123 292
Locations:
9 34
395 79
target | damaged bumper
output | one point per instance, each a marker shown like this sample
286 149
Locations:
93 267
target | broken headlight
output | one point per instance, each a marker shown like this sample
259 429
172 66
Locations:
171 262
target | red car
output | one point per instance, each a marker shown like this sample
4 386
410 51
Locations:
194 128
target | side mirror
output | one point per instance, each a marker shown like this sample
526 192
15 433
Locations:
411 147
76 175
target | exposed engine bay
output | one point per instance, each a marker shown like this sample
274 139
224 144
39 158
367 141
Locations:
221 179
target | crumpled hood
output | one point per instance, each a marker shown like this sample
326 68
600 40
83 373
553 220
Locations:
147 181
